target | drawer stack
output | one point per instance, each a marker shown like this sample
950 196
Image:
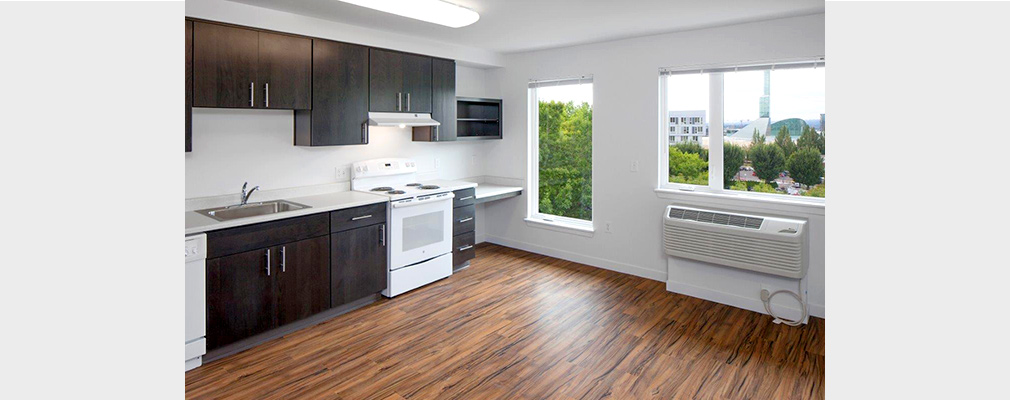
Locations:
463 214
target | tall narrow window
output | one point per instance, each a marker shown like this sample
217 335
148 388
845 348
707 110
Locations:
687 100
561 137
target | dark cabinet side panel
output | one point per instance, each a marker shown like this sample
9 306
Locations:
417 83
224 65
285 64
443 96
339 96
241 297
189 86
385 81
303 278
357 263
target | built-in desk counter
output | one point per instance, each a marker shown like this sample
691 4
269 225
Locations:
486 192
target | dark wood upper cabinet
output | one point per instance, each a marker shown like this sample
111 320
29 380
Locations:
243 68
385 80
241 296
303 278
399 82
417 83
189 86
339 112
285 72
357 263
224 66
443 103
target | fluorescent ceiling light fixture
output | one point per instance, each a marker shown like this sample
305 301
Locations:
434 11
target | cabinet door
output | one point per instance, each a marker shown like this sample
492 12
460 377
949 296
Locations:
303 278
443 96
385 81
189 86
224 65
284 72
241 296
358 263
417 83
339 96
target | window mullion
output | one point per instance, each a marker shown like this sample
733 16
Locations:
715 129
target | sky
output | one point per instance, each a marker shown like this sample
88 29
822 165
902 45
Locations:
795 93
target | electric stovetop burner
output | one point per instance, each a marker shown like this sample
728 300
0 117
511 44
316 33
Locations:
382 189
429 187
413 184
395 192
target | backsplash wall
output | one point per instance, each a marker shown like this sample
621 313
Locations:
233 146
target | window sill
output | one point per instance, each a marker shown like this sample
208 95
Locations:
586 230
742 200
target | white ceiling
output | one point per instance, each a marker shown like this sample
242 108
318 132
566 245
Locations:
508 26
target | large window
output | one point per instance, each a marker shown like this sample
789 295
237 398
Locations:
761 129
561 138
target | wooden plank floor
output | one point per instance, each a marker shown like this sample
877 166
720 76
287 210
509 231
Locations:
522 325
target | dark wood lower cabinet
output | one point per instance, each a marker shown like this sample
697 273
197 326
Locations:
265 276
357 263
241 297
303 279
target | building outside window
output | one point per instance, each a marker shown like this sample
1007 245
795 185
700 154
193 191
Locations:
561 129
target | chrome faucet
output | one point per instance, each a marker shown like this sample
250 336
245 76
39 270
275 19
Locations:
245 195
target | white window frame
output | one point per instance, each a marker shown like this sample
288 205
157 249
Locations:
533 215
667 189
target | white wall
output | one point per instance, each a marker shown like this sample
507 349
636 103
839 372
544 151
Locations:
234 146
625 126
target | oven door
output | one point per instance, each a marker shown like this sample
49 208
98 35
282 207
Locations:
420 229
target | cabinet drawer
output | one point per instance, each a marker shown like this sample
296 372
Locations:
357 217
462 248
258 236
464 197
463 219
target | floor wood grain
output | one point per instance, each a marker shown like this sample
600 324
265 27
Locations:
522 325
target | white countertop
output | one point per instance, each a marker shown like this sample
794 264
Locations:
196 223
485 190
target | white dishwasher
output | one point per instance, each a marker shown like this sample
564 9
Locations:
196 300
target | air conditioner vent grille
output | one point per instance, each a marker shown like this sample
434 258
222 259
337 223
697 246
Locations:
716 218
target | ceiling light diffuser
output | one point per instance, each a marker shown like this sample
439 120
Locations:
434 11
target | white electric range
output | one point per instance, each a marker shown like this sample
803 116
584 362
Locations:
420 222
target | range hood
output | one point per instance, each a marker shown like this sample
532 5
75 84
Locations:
400 119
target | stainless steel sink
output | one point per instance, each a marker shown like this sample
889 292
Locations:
251 210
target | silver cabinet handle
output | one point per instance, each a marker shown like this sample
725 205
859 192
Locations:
284 259
382 235
465 248
408 101
268 262
466 220
252 94
361 217
399 101
465 198
267 89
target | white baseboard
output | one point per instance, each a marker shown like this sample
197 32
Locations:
580 258
730 299
481 238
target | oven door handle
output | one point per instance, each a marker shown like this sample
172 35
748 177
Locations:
427 199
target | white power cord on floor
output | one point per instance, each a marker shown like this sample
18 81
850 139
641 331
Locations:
766 298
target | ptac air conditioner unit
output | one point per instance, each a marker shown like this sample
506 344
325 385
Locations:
757 243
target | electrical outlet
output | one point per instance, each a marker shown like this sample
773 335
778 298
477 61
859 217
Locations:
438 162
634 166
473 160
343 173
607 227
